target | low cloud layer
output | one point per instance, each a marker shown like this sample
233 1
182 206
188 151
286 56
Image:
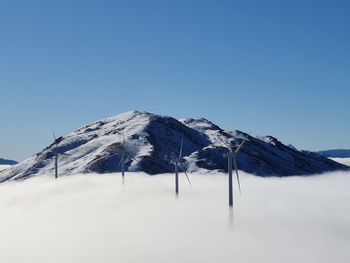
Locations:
98 218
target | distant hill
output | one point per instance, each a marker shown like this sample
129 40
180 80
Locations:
152 142
337 153
7 162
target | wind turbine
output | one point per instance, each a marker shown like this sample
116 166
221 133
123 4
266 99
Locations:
123 156
231 157
57 153
179 163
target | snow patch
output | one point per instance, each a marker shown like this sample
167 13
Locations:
345 161
3 167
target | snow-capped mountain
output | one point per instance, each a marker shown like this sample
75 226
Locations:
7 162
338 153
152 142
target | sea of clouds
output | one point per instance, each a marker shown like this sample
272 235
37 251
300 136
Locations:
100 218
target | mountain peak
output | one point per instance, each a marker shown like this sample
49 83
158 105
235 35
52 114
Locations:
200 123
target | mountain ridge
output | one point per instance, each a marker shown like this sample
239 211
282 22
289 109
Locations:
152 142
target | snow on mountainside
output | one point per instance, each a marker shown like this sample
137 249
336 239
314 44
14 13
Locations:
152 143
260 155
4 166
345 161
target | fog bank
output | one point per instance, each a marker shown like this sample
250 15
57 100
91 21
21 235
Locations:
97 218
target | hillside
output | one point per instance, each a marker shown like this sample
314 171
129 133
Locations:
152 142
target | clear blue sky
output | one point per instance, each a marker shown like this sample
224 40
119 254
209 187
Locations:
266 67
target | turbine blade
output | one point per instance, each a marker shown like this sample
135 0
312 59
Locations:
54 136
227 145
240 146
224 142
235 165
188 179
120 164
181 147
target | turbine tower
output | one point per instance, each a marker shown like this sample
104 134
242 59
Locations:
179 163
231 158
124 155
57 153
